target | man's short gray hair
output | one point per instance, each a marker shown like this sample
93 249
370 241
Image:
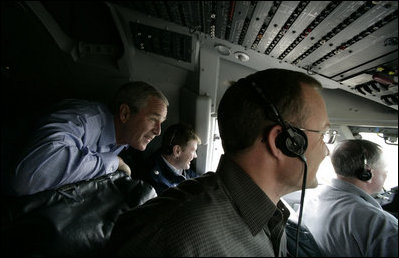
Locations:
135 95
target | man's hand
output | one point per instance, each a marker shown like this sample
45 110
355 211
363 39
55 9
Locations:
123 166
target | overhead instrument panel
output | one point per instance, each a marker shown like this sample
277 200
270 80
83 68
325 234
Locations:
354 43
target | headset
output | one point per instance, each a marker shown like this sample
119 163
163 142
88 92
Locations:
364 173
291 141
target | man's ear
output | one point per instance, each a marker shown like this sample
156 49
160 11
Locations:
176 150
124 112
271 141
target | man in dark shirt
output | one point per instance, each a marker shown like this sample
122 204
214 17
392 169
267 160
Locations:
237 211
170 165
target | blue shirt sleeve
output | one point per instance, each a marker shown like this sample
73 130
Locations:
73 144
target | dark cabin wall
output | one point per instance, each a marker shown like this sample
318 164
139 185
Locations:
35 74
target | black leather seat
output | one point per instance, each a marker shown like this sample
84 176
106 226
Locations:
74 220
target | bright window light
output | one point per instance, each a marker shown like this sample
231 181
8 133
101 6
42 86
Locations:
326 170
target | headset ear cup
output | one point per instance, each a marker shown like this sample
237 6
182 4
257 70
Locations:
281 143
365 174
302 140
292 146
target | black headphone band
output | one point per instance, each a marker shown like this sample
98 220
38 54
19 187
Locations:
272 107
292 141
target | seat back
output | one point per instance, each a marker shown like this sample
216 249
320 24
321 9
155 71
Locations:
307 246
74 220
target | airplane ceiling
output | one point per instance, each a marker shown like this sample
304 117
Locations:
354 43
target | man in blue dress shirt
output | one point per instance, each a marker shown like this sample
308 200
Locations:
81 140
343 216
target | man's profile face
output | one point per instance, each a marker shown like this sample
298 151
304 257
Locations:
379 174
188 153
317 120
142 127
